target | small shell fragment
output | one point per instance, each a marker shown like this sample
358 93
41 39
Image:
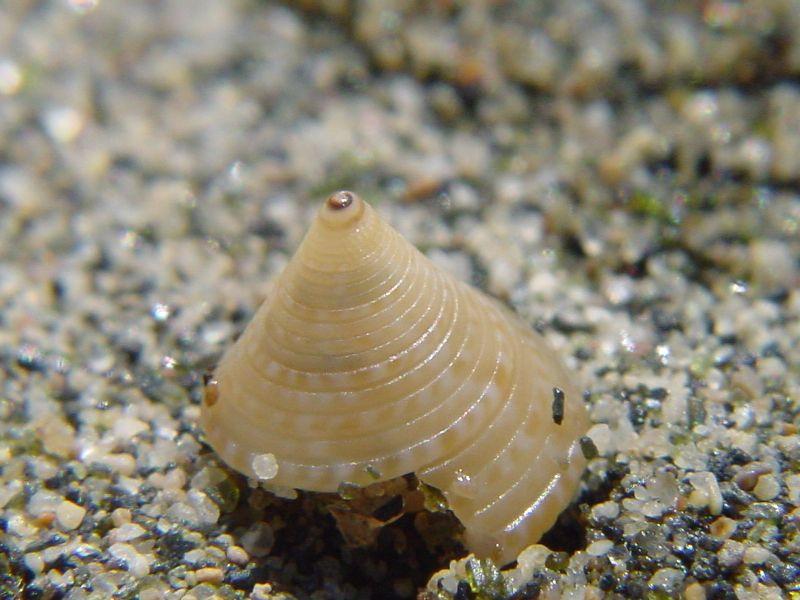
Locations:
211 392
366 362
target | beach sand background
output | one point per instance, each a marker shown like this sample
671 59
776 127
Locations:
623 173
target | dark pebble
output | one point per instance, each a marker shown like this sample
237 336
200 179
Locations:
32 592
613 532
686 552
31 361
51 540
705 567
632 589
85 551
245 579
708 542
607 582
772 349
637 413
665 321
121 499
720 590
784 573
737 456
267 229
63 563
734 500
77 496
174 545
530 591
463 592
56 481
389 510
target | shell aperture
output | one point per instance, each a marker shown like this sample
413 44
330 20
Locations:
366 362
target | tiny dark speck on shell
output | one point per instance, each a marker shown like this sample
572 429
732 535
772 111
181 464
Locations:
340 200
558 405
588 448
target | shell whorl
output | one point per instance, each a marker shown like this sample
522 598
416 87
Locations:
367 362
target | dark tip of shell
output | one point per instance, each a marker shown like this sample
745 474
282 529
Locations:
340 200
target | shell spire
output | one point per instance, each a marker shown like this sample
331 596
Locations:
366 362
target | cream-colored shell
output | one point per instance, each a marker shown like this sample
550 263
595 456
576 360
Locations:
366 362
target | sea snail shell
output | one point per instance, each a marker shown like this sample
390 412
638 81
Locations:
366 362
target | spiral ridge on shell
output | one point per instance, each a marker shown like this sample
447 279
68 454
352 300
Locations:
366 362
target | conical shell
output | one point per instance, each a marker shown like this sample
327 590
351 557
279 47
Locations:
367 362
